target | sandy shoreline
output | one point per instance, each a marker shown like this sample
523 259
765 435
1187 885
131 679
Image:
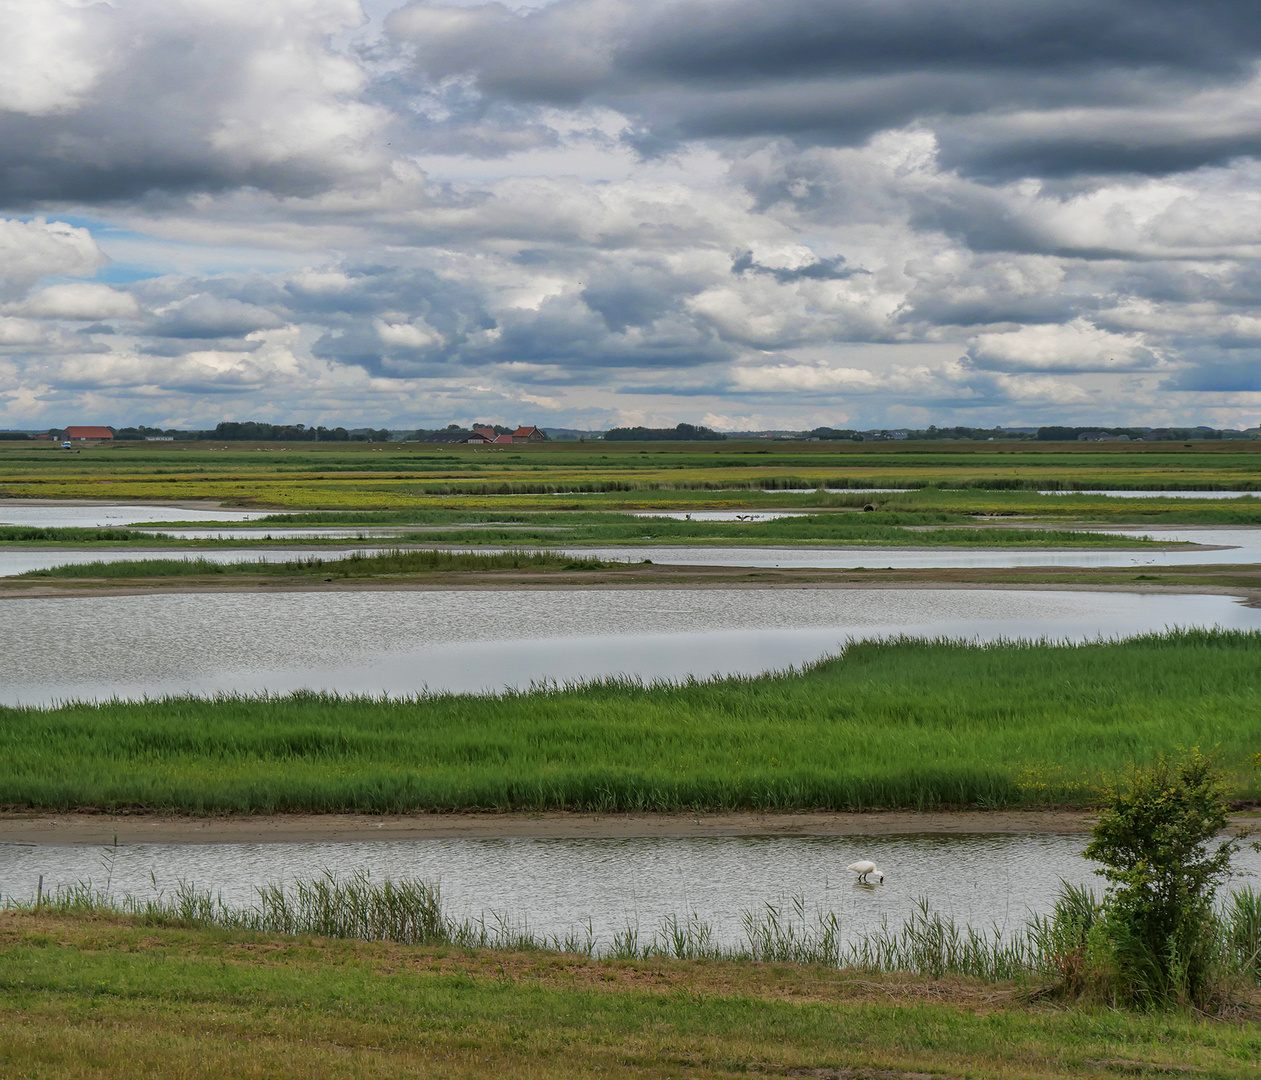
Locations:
101 828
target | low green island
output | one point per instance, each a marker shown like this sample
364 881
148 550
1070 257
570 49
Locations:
902 723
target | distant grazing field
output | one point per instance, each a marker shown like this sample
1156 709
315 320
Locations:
909 723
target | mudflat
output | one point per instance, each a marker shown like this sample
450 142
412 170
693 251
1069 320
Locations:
149 828
1243 581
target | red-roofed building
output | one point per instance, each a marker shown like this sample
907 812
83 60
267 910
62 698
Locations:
502 439
528 434
88 434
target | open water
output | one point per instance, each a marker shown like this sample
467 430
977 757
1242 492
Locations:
404 642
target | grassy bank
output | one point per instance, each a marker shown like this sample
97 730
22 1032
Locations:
909 723
393 563
107 997
410 911
924 527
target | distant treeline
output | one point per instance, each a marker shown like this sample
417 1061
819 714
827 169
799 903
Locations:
1062 434
1042 434
253 431
681 433
256 431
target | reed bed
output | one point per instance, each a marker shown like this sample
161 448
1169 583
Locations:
354 565
900 526
38 534
410 911
903 722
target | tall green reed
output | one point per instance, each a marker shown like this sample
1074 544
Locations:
410 911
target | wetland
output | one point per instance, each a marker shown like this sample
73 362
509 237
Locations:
458 667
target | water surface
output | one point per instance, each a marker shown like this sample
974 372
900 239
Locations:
1242 545
22 560
85 515
1237 546
1162 494
401 642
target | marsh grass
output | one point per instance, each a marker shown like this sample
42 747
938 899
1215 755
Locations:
32 534
400 476
899 525
410 911
398 561
903 722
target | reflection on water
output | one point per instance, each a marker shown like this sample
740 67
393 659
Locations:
1236 547
400 642
719 515
100 515
359 532
21 560
557 885
1163 494
836 491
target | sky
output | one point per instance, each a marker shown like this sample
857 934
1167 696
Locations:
748 214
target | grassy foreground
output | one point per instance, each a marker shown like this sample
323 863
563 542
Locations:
908 723
111 997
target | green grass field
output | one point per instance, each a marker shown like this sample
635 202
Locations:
613 475
109 997
904 724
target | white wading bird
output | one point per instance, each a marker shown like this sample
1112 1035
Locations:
862 869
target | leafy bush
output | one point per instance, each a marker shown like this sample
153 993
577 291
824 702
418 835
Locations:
1156 840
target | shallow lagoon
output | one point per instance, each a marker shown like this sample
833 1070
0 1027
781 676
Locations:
1219 547
403 642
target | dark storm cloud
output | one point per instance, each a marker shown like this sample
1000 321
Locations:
636 295
164 100
614 323
837 71
1221 373
710 41
933 309
206 316
833 269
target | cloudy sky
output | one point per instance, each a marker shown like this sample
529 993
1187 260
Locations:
744 213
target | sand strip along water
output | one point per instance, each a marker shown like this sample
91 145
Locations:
150 828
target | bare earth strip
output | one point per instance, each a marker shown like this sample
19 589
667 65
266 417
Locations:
147 828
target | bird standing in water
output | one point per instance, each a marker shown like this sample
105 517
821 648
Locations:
862 869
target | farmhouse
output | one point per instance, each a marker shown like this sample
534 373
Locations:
481 434
522 434
88 434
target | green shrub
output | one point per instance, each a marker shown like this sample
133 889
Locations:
1157 841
